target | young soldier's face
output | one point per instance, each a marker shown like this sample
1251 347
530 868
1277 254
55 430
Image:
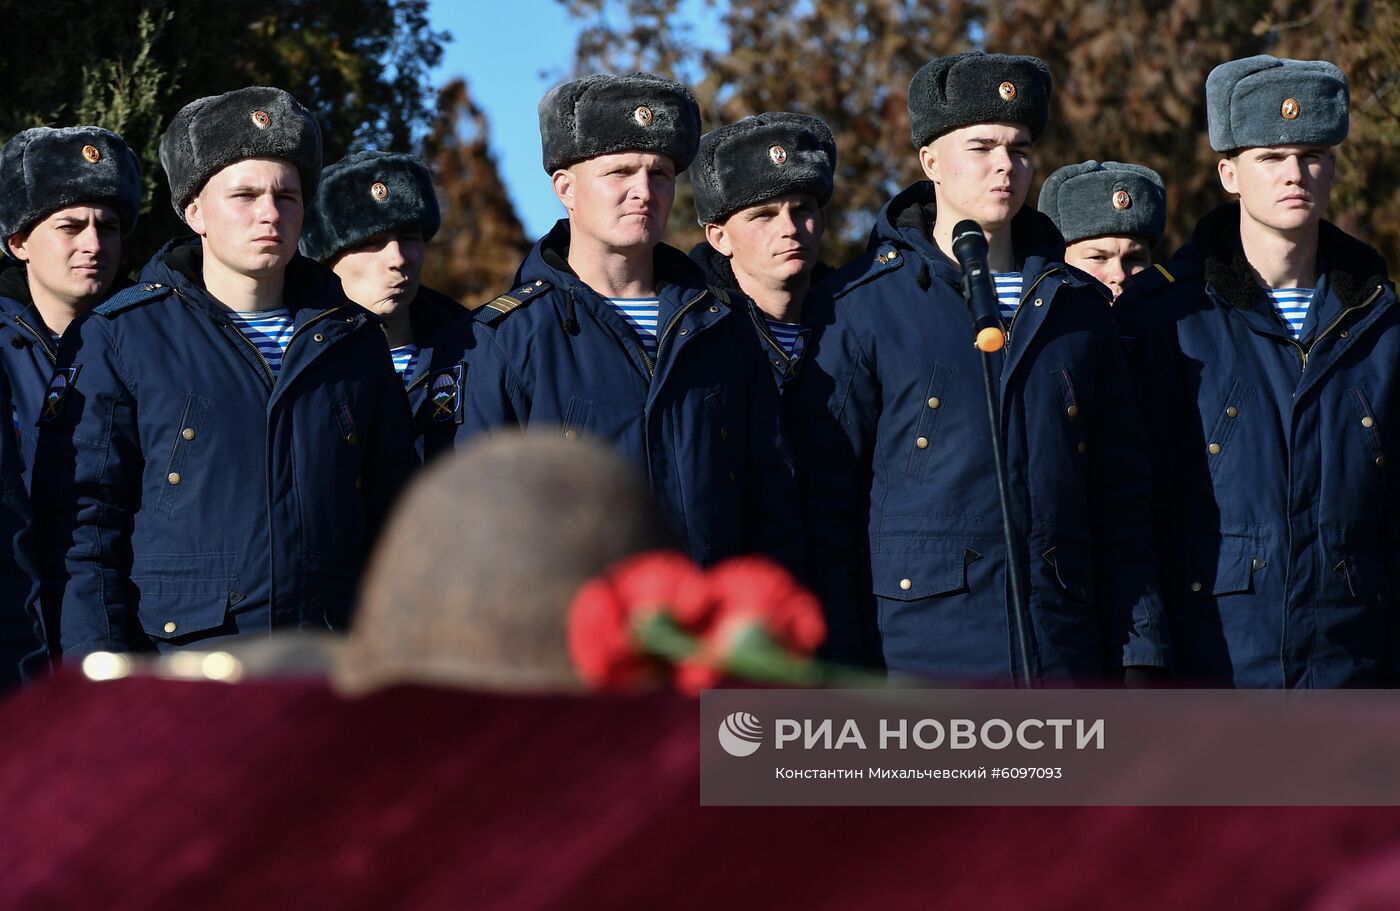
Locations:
981 172
382 274
772 243
1113 260
72 254
1281 187
249 215
621 201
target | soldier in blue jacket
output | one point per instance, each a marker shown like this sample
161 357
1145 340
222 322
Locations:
221 441
613 334
70 196
761 185
907 549
1111 215
1267 352
371 221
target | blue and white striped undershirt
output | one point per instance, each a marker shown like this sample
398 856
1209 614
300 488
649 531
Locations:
405 357
1292 304
270 331
786 333
1008 288
641 313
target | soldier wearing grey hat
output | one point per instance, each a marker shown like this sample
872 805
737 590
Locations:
1267 350
761 186
71 195
220 441
1111 215
612 334
371 221
890 420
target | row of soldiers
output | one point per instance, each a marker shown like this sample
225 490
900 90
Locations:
1198 480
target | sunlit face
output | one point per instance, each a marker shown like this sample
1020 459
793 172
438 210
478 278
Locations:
619 201
1113 260
771 244
249 215
71 255
1281 187
981 172
382 274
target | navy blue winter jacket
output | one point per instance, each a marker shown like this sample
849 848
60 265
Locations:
23 640
182 494
28 355
1278 497
898 484
701 418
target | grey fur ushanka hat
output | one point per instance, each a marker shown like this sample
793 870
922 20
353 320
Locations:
952 92
365 194
1267 101
45 169
1099 199
759 158
211 133
602 114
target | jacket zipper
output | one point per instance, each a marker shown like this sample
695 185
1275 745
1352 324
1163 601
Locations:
1024 297
43 342
1305 353
763 329
670 324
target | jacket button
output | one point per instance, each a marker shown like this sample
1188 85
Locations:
905 584
1072 411
934 402
169 626
1232 412
571 434
173 477
921 442
1040 302
1346 334
319 337
714 309
685 332
1213 449
1380 461
777 363
351 439
359 483
1083 448
1368 421
187 433
732 476
1195 586
1256 564
724 433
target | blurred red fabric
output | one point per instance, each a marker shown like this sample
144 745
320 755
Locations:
152 794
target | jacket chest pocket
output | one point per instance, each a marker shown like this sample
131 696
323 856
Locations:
1366 423
576 417
1237 402
931 408
184 450
349 440
724 430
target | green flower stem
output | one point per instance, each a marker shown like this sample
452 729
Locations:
662 637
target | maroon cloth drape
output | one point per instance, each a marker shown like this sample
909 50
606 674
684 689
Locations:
151 794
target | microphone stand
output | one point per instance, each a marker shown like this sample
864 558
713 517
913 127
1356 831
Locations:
1015 562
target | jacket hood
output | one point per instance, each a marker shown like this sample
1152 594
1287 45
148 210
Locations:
907 221
1353 268
719 273
14 288
548 260
180 264
430 312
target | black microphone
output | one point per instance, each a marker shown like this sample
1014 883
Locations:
970 247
